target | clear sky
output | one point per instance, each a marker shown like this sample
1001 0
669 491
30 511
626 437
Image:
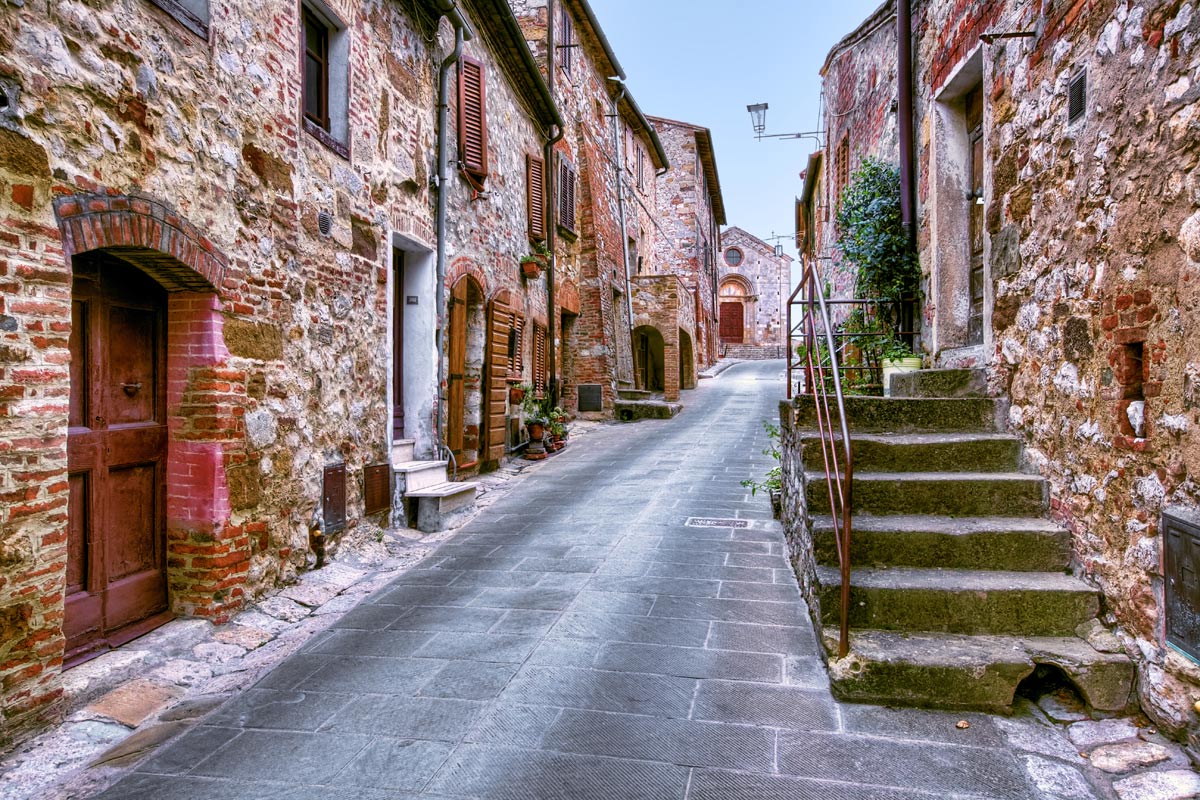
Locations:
704 61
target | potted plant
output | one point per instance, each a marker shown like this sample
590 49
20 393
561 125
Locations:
533 264
536 413
517 392
558 433
897 357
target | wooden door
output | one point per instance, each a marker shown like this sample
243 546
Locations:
500 319
116 444
975 198
731 323
455 388
398 344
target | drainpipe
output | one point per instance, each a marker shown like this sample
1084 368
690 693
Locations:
617 137
551 179
905 57
462 33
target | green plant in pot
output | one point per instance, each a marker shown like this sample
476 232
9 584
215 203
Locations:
536 411
533 264
897 357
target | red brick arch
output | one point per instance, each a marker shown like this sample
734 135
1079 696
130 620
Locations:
465 266
145 232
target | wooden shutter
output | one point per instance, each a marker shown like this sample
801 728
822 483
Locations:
496 372
472 118
535 187
516 353
566 40
455 389
566 195
540 372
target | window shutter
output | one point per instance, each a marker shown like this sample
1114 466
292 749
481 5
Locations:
472 118
535 187
566 35
516 353
540 372
566 195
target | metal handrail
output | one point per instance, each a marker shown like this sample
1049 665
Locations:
838 476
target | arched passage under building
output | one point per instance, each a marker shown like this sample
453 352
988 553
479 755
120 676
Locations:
649 352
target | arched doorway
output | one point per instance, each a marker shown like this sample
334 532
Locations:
116 455
687 361
735 293
648 348
464 376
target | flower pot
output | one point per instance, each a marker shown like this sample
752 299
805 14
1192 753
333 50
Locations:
890 368
531 269
515 395
537 431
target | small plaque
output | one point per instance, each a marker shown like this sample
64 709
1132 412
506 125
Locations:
411 300
716 522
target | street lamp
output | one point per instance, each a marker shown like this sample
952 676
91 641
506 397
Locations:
758 117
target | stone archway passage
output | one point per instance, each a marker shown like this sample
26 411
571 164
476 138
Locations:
649 351
117 446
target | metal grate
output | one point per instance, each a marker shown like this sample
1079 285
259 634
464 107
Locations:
716 522
1077 97
324 223
333 498
590 398
377 488
1181 560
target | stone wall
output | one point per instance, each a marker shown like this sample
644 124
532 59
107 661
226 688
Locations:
122 129
665 303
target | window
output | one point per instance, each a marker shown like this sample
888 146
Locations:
1077 97
641 167
841 169
516 352
472 119
734 257
535 187
325 87
540 371
567 179
191 14
566 40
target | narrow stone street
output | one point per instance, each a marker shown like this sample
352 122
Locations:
581 640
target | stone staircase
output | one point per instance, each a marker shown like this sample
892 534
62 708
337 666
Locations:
635 404
753 352
439 502
960 586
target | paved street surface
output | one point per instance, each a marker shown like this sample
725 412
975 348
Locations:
580 640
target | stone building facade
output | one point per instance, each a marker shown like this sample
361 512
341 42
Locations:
753 287
1058 220
202 278
692 211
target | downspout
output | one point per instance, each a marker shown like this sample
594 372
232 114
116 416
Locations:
462 33
905 118
551 181
617 137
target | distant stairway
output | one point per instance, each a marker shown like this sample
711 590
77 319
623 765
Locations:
960 586
426 492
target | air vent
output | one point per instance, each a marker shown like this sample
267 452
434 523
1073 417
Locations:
1077 97
324 223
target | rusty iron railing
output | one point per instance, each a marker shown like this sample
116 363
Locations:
839 467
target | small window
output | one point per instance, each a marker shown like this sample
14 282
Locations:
566 40
1077 97
191 14
734 257
325 87
472 119
540 371
535 186
641 167
516 359
567 179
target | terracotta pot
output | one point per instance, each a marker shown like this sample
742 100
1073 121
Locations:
537 430
515 395
531 269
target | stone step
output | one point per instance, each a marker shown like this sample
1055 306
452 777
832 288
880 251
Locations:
416 475
925 452
952 671
633 410
960 601
1007 543
634 394
940 383
403 450
955 494
443 505
909 415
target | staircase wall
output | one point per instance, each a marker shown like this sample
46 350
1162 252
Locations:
796 518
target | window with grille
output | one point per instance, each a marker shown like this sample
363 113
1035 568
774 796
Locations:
540 371
641 167
841 169
535 185
472 119
566 40
567 180
1077 97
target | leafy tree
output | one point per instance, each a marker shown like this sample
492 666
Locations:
872 233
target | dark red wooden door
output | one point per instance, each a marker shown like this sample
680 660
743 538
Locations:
116 566
731 323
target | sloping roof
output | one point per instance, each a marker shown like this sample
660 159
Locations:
881 15
506 39
741 233
708 161
641 125
585 18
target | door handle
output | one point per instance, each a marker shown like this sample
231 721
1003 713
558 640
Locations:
131 389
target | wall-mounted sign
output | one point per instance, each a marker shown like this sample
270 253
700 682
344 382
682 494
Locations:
410 300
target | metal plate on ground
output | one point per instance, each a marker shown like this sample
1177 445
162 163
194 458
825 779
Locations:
716 522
